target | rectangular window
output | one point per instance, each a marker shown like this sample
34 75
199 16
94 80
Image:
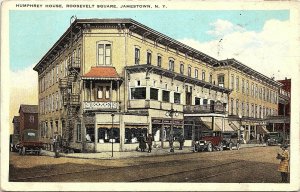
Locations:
247 110
243 110
159 61
153 94
260 93
232 106
232 82
78 135
57 73
237 84
237 107
149 57
256 91
104 54
100 92
189 71
252 110
177 98
252 89
197 101
166 96
196 73
107 92
136 56
138 93
181 68
221 80
210 78
171 65
243 86
203 75
247 87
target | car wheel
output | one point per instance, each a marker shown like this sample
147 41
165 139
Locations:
238 146
209 147
230 146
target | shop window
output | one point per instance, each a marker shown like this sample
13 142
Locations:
78 132
153 94
133 135
177 98
108 135
138 93
90 134
166 96
197 101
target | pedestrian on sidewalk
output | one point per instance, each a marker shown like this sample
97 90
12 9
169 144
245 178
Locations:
261 138
181 141
171 142
149 142
283 167
56 142
142 143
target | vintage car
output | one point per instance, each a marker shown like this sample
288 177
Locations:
209 141
14 139
230 140
274 138
29 142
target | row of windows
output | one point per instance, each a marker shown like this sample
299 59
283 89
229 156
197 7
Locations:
257 92
51 103
58 71
250 110
47 129
171 65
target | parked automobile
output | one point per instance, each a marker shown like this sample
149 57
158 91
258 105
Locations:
274 138
230 140
14 139
209 141
29 142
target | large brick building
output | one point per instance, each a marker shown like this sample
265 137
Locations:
101 67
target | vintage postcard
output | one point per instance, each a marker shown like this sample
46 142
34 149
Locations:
149 96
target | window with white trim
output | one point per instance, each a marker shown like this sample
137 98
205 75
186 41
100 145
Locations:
171 64
137 56
104 53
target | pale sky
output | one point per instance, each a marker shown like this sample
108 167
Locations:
259 39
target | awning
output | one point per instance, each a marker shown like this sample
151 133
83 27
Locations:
227 127
102 73
218 125
262 129
234 125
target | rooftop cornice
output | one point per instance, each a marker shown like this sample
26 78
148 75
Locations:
240 66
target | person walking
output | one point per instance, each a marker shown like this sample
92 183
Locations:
181 141
149 142
171 142
283 167
56 142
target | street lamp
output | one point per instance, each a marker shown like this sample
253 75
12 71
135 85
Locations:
112 134
239 130
171 114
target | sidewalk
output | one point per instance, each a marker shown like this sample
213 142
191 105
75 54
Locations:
130 154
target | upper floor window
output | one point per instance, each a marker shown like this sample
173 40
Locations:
221 80
181 68
138 93
177 98
237 107
256 91
232 106
203 75
232 82
136 56
189 71
243 86
237 83
210 78
252 89
104 53
196 73
159 60
247 87
149 57
171 64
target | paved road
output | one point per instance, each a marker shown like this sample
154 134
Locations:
248 165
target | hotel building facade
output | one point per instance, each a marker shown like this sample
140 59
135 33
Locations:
110 80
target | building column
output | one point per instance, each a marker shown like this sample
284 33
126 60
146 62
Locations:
96 134
91 90
162 134
122 131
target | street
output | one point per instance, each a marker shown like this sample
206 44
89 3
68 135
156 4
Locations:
247 165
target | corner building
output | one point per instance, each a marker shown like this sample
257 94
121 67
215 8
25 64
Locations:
115 79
